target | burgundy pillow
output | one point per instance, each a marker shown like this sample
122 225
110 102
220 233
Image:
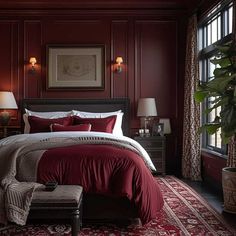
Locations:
98 124
58 127
38 124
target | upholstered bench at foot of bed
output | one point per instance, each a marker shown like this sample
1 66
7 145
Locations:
65 202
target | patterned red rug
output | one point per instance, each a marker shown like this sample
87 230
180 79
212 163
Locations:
184 213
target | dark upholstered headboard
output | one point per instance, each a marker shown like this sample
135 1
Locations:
89 105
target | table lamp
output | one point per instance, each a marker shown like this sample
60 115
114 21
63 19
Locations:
7 101
147 109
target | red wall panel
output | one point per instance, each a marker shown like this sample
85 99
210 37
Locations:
32 48
119 47
156 64
10 61
212 167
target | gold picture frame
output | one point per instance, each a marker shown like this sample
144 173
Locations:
76 67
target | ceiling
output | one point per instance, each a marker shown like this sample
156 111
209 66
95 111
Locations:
126 4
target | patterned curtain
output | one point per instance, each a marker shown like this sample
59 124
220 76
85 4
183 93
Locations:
231 161
191 160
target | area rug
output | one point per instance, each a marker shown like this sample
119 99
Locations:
184 213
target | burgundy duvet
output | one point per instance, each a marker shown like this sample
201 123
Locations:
104 169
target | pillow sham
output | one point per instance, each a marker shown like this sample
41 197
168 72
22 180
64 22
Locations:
82 127
86 114
117 130
38 124
98 124
49 115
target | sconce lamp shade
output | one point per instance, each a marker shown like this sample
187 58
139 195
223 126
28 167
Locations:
119 60
167 127
147 107
32 61
7 101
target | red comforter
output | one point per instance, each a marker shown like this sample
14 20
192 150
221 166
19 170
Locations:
104 169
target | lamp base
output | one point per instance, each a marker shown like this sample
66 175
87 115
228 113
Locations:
4 118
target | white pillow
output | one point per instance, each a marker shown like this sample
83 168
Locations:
46 115
117 130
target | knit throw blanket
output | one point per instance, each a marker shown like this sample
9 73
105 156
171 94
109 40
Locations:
15 196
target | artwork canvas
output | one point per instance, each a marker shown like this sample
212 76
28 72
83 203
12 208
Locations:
78 67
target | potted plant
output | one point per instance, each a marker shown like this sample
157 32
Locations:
223 89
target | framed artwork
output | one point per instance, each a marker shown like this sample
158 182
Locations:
158 129
76 67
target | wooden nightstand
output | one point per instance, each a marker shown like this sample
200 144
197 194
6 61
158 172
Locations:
155 147
6 131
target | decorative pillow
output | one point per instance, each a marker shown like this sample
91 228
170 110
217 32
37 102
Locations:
38 124
49 115
117 130
98 124
81 127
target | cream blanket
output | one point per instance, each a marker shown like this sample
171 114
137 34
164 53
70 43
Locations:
15 196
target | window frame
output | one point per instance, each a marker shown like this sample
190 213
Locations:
206 52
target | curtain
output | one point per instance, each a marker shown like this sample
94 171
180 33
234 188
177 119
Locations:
231 161
191 159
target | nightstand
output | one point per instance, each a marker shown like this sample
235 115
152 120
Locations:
6 131
155 147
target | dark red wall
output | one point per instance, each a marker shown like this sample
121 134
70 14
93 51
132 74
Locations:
151 42
212 169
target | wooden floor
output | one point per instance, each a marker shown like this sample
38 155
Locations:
214 198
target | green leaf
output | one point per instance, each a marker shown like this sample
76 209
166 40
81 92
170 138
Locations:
211 128
200 95
219 72
219 84
225 139
222 62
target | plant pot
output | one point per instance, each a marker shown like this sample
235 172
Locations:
229 189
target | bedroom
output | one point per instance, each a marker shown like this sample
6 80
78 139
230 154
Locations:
149 35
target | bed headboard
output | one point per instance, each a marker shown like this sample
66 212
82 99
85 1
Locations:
89 105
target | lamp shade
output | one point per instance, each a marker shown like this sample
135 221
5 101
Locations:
7 100
33 60
166 123
119 60
147 107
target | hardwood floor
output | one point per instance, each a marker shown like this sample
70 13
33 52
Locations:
215 199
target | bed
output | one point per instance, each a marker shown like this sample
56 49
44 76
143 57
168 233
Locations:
101 204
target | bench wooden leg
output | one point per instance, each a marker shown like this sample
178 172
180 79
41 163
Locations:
75 223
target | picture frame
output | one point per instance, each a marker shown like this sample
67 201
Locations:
80 67
158 129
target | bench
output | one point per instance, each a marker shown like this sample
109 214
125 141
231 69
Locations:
65 202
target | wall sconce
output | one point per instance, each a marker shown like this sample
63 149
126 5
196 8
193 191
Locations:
119 60
32 61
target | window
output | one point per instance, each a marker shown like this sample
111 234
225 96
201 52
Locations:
216 27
